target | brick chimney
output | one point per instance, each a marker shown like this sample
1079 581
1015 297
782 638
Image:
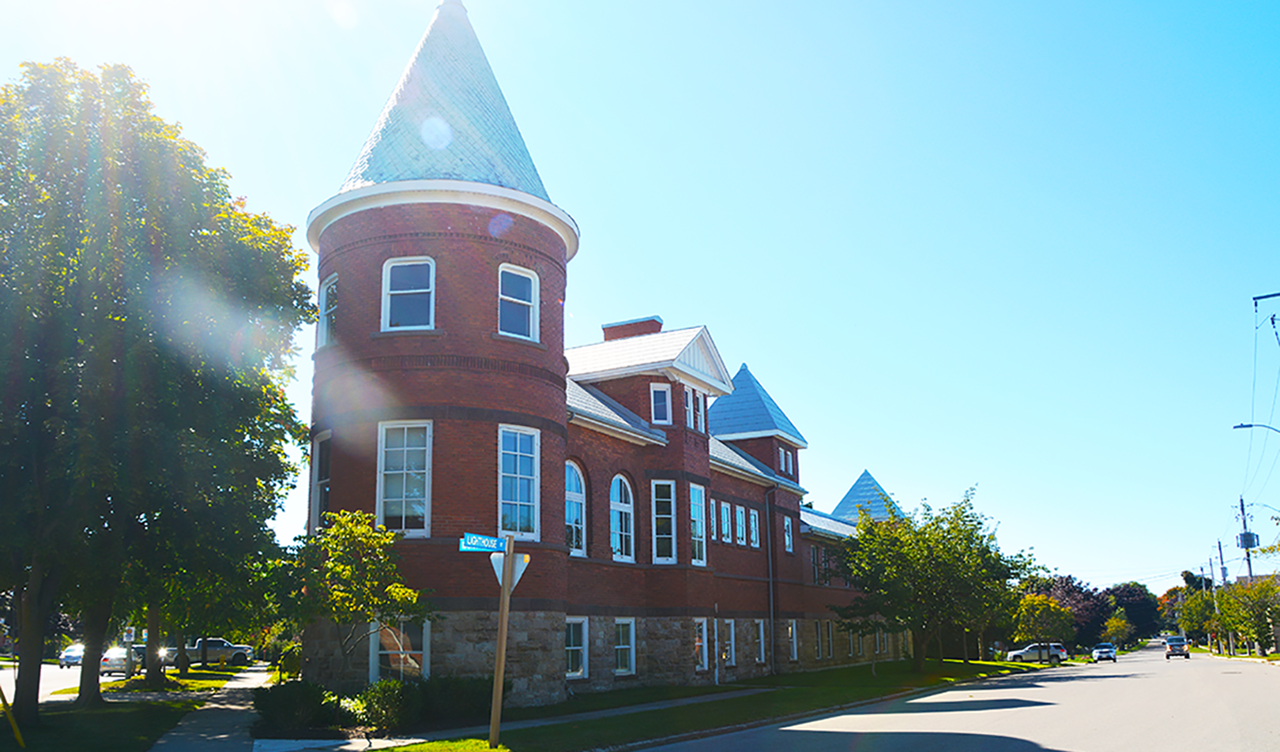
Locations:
632 328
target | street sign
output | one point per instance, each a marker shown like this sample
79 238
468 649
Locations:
477 542
521 563
128 634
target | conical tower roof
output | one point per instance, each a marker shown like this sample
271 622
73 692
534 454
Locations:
447 118
867 494
750 412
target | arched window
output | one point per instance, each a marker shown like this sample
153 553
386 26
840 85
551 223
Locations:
621 520
575 504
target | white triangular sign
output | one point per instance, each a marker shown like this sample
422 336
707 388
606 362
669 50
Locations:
521 562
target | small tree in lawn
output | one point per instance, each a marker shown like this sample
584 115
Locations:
1042 619
1117 630
349 574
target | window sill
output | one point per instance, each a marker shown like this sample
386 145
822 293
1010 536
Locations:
407 333
517 340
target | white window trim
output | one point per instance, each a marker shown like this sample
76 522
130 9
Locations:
817 643
753 529
534 305
586 647
386 292
583 479
688 407
788 543
782 460
654 391
831 642
374 643
324 334
793 636
536 535
701 658
631 648
726 522
761 643
630 509
314 502
731 643
425 532
697 502
653 517
700 408
740 525
790 466
711 520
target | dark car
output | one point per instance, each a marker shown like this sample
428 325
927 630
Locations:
1176 645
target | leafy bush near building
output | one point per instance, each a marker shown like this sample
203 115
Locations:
389 705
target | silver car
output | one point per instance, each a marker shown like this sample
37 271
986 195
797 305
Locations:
1103 651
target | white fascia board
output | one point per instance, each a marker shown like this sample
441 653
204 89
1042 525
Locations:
463 192
794 441
666 369
617 432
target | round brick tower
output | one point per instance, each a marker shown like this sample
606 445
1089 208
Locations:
439 395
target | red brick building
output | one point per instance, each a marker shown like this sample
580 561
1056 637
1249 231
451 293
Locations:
658 496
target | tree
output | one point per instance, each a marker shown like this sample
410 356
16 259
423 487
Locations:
1250 608
925 573
1042 619
1089 608
1139 604
1117 630
348 573
147 318
1196 615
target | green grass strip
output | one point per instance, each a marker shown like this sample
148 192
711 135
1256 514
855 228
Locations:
114 727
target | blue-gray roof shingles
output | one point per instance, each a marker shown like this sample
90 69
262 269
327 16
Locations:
750 410
826 525
447 118
592 403
745 463
866 494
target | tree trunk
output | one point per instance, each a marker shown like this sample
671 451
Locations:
182 660
939 649
919 642
966 645
33 603
155 670
95 617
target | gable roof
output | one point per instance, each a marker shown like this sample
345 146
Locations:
685 355
447 118
813 522
750 413
866 494
591 408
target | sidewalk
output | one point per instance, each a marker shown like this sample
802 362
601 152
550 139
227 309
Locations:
222 723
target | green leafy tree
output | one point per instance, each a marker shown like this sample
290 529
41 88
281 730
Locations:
1042 619
1117 629
348 573
1196 615
1250 609
147 317
924 573
1140 604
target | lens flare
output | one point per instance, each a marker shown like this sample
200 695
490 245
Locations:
436 133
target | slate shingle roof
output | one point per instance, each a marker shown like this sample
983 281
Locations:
866 494
590 402
825 524
751 411
739 460
447 118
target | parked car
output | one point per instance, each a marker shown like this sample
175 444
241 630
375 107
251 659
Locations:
115 661
1036 652
1175 645
71 655
220 649
140 655
1103 651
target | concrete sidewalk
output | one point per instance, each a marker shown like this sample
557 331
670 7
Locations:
223 722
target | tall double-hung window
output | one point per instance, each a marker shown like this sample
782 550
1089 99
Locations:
321 453
624 646
700 658
726 522
740 524
575 647
518 481
787 543
695 410
408 293
575 505
753 531
697 526
621 520
327 329
660 404
664 521
404 477
518 302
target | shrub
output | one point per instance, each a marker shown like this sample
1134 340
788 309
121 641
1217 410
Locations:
390 704
450 700
293 705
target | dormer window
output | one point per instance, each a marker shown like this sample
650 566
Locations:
660 404
517 302
695 404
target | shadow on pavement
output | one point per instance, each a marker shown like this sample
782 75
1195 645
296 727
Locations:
871 741
962 706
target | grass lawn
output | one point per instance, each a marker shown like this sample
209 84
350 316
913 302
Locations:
195 681
116 727
792 694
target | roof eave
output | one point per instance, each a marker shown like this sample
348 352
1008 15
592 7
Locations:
625 433
795 441
667 369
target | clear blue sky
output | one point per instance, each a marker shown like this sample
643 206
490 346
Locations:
993 243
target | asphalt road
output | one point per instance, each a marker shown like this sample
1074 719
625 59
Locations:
1143 702
52 679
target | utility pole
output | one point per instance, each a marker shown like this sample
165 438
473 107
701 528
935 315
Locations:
1231 642
1246 539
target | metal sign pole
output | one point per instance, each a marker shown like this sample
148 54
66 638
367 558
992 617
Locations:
17 735
500 660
